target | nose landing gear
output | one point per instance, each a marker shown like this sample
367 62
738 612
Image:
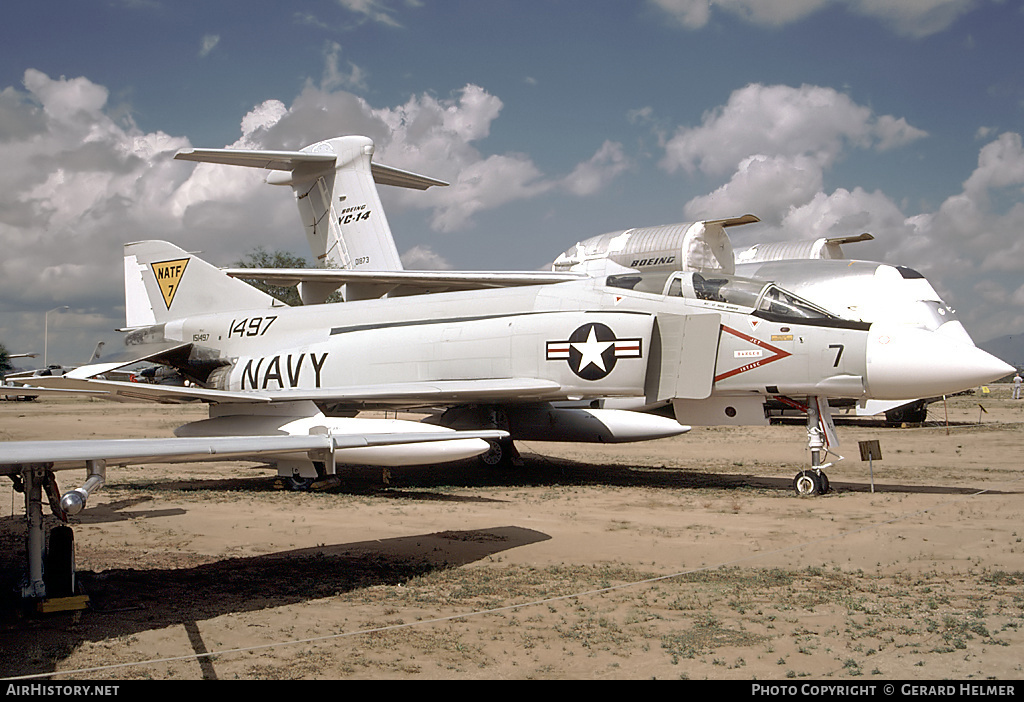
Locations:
820 435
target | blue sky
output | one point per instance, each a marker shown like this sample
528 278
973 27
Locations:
554 121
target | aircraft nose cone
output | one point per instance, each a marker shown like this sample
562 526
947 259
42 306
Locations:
908 363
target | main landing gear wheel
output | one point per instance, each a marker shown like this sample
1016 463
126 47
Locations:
809 482
501 454
297 483
494 455
59 570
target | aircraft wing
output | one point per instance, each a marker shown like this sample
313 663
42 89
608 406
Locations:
436 281
35 391
14 454
417 394
125 391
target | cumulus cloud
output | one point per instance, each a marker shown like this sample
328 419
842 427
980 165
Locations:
437 137
762 184
777 142
349 77
424 258
208 44
972 243
911 18
371 10
771 147
914 18
602 168
78 183
810 121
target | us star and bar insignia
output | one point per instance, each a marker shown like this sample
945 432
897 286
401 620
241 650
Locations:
592 350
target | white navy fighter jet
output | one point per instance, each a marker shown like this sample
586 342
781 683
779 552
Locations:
854 290
496 361
695 340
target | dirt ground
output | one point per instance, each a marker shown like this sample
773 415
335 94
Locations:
682 558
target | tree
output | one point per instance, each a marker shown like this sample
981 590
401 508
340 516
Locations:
261 258
5 360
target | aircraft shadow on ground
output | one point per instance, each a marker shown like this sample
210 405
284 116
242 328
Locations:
129 601
419 483
540 471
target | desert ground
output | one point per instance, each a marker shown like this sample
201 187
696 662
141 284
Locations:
686 558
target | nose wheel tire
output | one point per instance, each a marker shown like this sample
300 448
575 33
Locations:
809 482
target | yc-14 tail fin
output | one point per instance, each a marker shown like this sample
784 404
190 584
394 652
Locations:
163 282
334 186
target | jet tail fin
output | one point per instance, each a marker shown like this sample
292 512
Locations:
163 283
334 186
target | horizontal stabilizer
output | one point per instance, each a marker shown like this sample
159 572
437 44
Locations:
304 165
388 175
148 352
271 160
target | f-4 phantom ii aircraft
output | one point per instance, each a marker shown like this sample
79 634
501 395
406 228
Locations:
495 361
858 290
498 359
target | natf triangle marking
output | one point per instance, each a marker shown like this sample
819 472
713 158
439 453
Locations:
168 277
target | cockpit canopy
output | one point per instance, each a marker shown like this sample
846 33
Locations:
764 299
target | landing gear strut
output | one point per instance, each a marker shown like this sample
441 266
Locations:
51 577
820 432
51 571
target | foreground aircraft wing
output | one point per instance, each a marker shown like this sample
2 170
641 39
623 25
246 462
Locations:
398 394
434 281
36 391
14 454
